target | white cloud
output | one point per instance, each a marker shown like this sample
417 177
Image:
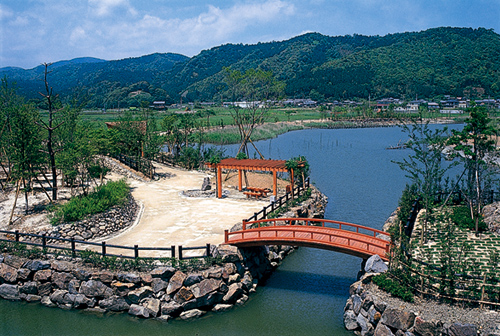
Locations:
107 7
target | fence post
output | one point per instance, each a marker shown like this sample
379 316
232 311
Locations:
244 225
44 241
208 250
172 251
180 252
103 248
136 251
264 213
482 290
73 249
17 236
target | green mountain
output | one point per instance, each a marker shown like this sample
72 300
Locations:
427 63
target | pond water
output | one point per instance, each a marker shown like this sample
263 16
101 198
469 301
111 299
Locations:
307 294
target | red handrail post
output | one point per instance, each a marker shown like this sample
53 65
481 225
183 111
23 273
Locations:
244 225
226 233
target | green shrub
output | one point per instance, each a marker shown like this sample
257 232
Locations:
393 287
462 219
101 199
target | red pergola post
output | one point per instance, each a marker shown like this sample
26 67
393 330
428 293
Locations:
240 180
219 182
275 183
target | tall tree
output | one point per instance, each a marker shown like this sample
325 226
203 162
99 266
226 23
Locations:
474 144
256 89
424 166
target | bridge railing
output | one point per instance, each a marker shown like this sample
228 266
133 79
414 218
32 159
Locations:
102 248
303 234
279 202
320 222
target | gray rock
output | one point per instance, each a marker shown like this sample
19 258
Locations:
163 272
73 286
375 264
220 307
37 265
8 273
14 261
206 184
204 287
30 287
47 303
427 328
191 314
43 275
114 303
94 288
137 295
23 274
152 306
373 315
171 308
81 274
382 330
58 296
183 295
398 319
192 279
61 279
365 325
80 301
44 288
158 285
350 321
357 303
163 318
32 298
129 277
9 292
62 266
458 329
380 305
176 282
138 310
234 292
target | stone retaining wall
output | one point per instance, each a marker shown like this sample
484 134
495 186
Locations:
165 292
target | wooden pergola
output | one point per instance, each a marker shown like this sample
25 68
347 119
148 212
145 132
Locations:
251 164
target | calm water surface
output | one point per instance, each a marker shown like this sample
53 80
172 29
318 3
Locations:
307 294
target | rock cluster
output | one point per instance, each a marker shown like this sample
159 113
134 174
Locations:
165 292
367 314
491 213
100 225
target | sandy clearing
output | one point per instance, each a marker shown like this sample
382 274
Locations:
169 218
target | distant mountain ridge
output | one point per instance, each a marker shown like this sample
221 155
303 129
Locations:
432 62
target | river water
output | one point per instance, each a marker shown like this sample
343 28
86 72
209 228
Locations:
307 294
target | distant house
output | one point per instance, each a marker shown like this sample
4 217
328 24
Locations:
463 104
300 102
432 106
450 103
159 105
383 104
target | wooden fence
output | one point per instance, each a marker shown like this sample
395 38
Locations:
142 165
278 203
480 289
47 242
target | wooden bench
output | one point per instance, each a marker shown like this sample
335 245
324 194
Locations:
262 191
249 194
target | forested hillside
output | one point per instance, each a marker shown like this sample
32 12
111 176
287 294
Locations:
425 64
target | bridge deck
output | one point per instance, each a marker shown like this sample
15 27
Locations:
337 239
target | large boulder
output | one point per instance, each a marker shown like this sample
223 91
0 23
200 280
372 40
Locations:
62 266
114 303
171 308
152 305
176 282
138 310
104 276
43 275
163 272
398 319
158 284
204 287
81 274
9 292
7 273
61 279
427 328
37 265
375 264
29 288
191 314
382 330
184 294
459 329
350 322
94 288
138 294
233 293
192 279
129 277
44 289
14 261
23 274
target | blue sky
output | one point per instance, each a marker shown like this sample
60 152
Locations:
37 31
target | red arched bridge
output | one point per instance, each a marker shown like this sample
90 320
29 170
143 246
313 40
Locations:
357 240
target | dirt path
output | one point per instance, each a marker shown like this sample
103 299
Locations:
170 218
